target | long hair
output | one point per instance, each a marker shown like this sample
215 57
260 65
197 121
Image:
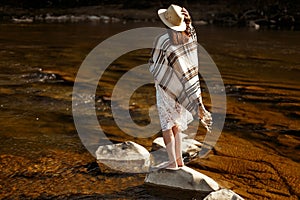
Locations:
180 37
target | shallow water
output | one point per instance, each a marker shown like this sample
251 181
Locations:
38 66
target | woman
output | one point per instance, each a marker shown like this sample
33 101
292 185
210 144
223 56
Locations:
174 65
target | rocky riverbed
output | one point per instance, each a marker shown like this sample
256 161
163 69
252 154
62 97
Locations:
42 157
55 174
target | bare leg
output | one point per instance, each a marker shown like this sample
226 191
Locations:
178 146
170 146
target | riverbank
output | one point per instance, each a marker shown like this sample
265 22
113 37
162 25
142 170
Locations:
220 14
199 12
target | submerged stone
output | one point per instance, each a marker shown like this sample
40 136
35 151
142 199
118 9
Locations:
126 157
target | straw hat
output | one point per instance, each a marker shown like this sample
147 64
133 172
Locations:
172 17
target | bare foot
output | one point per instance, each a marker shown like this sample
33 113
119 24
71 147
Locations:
180 162
172 166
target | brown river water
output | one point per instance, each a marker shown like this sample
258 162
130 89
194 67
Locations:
42 157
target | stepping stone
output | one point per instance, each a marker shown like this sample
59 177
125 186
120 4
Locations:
126 157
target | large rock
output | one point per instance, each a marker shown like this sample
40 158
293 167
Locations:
185 178
190 147
124 157
223 194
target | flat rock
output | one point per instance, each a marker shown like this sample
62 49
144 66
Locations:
189 146
126 157
185 178
223 194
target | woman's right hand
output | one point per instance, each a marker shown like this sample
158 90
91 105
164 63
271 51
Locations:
186 14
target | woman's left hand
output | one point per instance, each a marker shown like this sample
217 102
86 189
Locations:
205 118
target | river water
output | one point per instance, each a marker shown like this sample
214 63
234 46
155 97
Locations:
43 157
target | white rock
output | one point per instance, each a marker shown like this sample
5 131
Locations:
115 20
158 143
184 136
189 146
93 18
200 22
192 141
252 24
185 178
23 20
223 194
80 18
105 19
62 18
125 157
50 18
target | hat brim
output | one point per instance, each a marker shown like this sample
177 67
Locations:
161 14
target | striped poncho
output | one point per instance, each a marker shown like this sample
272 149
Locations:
175 70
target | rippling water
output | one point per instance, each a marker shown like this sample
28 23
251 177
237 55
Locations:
38 66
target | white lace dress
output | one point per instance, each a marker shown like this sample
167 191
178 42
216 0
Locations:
170 112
